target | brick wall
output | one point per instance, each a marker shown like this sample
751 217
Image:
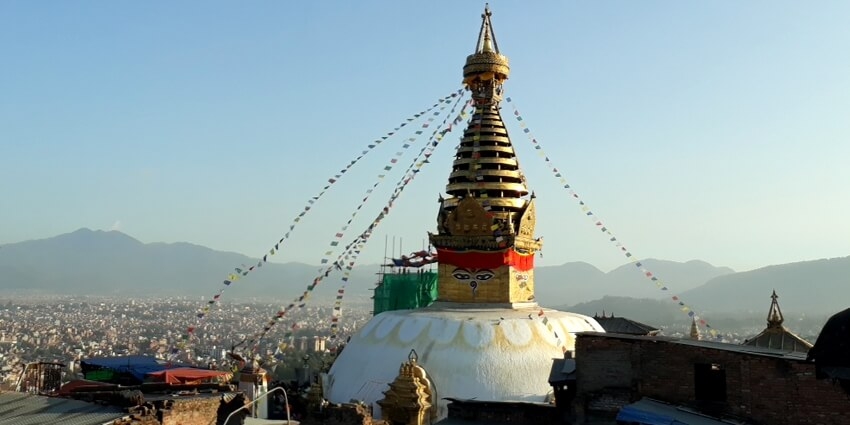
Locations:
492 412
208 409
770 390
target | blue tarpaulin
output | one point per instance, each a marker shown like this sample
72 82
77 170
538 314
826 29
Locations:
629 414
651 412
137 366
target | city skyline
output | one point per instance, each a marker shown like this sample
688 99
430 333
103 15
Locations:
692 131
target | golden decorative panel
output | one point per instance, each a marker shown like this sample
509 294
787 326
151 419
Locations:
470 219
528 220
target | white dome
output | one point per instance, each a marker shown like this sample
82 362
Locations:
493 354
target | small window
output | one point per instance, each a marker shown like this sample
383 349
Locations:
709 382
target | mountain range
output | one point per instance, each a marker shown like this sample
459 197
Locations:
110 263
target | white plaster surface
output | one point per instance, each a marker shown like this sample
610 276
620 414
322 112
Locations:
485 354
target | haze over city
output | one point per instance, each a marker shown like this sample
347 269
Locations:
712 131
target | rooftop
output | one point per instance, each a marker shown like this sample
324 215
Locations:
623 325
742 349
17 408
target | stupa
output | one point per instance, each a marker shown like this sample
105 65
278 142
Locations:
485 338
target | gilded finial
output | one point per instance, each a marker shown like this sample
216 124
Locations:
694 329
774 316
486 60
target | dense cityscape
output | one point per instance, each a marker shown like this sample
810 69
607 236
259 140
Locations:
68 330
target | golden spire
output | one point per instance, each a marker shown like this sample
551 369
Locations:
488 208
485 165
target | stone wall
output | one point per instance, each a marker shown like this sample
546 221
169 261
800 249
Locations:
191 411
344 414
613 371
207 409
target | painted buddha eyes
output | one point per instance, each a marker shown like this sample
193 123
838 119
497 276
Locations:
479 275
460 275
484 275
472 277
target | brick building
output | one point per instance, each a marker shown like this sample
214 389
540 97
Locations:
757 385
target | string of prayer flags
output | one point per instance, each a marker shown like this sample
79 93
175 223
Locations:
393 160
243 271
604 228
358 242
336 313
409 174
541 315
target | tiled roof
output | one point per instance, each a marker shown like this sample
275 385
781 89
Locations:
27 409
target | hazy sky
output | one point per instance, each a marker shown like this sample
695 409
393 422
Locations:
697 130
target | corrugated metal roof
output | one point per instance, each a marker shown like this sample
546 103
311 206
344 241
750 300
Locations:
743 349
28 409
622 325
779 338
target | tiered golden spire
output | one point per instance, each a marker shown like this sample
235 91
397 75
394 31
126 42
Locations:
485 228
485 166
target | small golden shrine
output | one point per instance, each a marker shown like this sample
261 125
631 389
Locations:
695 330
409 399
485 228
776 335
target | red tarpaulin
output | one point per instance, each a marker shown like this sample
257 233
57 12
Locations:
486 260
186 375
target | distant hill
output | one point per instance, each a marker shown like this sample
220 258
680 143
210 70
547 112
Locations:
576 282
648 311
95 262
819 286
809 292
89 262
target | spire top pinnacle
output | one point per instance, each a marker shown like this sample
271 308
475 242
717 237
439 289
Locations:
486 38
774 315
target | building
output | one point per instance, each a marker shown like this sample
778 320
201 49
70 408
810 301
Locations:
775 335
724 381
485 338
301 344
318 344
831 352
